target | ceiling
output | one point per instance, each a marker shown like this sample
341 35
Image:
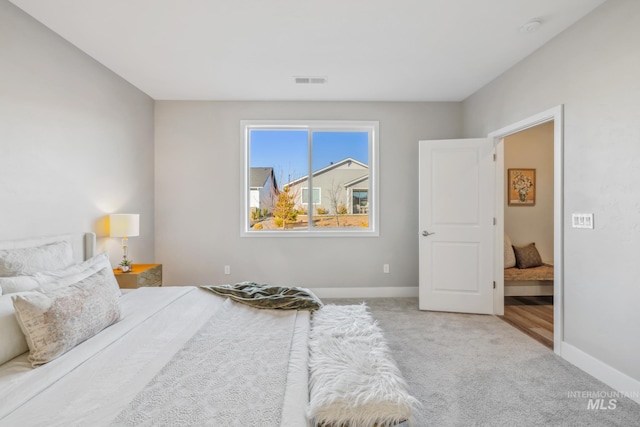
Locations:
369 50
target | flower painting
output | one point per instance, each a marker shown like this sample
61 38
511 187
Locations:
522 187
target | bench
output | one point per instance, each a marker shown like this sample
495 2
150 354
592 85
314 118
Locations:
534 281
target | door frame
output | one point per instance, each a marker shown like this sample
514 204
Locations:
554 114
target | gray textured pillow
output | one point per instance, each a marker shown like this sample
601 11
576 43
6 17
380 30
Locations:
26 261
527 256
55 321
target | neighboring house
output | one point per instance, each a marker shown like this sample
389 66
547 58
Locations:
344 183
263 186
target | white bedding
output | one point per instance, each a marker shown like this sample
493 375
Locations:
105 380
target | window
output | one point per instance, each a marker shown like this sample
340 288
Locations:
304 199
360 201
284 159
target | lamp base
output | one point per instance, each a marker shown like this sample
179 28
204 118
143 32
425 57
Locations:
125 265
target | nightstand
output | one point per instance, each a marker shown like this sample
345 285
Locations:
140 276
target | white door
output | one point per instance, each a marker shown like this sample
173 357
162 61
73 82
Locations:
456 225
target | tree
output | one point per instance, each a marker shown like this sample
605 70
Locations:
335 198
284 210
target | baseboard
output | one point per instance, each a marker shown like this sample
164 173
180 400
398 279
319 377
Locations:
382 292
615 379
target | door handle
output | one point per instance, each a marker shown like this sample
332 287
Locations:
425 233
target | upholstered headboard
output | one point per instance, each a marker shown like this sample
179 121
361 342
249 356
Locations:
83 244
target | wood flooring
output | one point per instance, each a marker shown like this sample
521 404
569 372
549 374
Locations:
531 315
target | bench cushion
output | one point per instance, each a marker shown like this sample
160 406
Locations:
543 272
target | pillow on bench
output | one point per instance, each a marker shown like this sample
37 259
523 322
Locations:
527 256
509 255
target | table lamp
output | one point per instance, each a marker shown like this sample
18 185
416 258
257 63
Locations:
125 226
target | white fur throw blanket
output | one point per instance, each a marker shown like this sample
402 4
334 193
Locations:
354 381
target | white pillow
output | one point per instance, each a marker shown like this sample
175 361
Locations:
55 321
509 254
26 261
54 279
11 285
13 342
75 273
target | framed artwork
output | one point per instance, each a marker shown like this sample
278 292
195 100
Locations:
522 187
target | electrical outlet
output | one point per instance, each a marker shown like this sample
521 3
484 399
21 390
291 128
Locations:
385 268
582 220
227 269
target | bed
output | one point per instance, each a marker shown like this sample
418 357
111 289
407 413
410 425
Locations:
174 356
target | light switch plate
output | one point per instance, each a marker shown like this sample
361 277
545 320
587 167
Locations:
582 220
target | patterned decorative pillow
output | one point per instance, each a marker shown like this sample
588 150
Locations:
55 321
25 261
527 256
509 255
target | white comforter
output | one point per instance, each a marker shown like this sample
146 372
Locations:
147 369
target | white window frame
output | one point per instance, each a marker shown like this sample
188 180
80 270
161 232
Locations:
372 127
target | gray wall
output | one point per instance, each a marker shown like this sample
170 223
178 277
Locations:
593 68
531 149
76 141
198 168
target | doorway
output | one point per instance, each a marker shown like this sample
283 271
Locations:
460 170
554 115
528 227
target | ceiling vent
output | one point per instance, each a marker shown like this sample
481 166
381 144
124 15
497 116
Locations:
310 80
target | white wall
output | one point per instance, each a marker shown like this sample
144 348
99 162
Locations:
198 171
76 141
531 149
593 68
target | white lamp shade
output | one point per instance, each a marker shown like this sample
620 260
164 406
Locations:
124 225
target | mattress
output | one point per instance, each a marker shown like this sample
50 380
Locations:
178 356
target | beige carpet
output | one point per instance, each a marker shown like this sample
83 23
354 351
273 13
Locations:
476 370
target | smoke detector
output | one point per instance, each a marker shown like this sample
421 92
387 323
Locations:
531 26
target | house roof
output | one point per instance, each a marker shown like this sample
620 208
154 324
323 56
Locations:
328 168
355 181
258 177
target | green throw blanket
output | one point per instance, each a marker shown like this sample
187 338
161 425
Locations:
266 296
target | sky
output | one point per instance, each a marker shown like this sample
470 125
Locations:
286 150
